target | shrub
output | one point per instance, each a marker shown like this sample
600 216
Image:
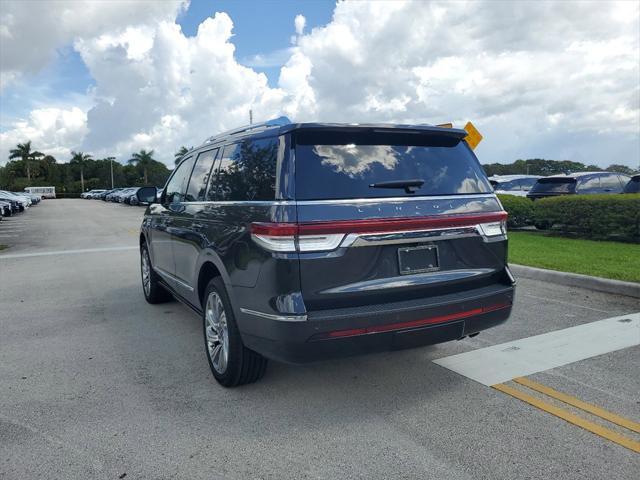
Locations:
520 210
599 217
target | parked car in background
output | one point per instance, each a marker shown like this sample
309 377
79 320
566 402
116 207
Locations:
109 196
15 205
35 199
92 193
517 185
578 183
23 200
5 208
84 194
633 185
124 193
42 192
386 237
131 194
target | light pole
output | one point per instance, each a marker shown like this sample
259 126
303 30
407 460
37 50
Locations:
111 159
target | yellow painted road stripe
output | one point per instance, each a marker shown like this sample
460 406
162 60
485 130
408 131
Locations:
587 407
570 417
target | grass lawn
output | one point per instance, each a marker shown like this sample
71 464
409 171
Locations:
620 261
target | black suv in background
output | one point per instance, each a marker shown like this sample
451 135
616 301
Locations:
633 185
299 242
578 183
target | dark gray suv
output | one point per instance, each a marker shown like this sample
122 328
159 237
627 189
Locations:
299 242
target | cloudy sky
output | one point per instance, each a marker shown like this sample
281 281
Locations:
556 80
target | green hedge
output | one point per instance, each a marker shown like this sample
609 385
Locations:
599 217
520 210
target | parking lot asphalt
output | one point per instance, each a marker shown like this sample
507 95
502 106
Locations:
96 383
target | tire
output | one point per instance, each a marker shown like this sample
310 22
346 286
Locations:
153 291
232 364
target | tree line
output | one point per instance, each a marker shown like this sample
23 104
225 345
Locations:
540 166
28 167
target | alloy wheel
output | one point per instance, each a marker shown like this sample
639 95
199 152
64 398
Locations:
217 332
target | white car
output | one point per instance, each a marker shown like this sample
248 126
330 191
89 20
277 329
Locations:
91 193
22 199
517 185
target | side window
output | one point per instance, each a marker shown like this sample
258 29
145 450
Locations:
527 183
177 186
610 183
200 176
623 180
247 170
510 185
589 185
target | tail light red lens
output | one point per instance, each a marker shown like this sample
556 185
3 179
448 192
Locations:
327 236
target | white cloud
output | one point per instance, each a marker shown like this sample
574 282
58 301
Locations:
30 31
55 131
299 23
538 78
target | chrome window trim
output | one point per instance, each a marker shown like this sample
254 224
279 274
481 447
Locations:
280 318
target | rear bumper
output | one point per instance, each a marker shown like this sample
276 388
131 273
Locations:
355 331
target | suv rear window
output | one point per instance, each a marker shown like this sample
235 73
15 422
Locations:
554 185
335 165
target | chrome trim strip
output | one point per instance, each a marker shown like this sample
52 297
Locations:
409 236
242 202
281 318
172 277
396 199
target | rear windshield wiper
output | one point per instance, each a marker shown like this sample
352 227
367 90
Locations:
409 185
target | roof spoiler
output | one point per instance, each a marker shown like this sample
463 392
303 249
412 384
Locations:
275 122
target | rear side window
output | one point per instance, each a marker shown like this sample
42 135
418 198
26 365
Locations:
177 185
200 176
527 183
554 185
509 185
610 183
247 171
334 165
589 185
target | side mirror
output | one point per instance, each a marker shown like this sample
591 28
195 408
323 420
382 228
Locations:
147 195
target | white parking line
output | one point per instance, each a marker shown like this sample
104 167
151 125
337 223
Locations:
568 304
68 252
501 363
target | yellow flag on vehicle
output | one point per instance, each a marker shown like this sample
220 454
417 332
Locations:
473 137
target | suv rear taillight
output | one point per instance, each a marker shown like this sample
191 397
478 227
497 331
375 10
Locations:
291 237
327 236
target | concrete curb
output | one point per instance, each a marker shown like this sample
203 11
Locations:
629 289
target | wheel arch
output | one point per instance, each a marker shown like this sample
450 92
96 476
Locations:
211 266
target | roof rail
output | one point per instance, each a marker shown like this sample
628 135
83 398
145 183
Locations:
275 122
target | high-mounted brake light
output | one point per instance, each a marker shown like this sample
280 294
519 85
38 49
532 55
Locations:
326 236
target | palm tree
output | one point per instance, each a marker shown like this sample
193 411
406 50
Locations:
80 159
180 153
23 151
143 159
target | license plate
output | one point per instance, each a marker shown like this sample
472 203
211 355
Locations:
418 259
